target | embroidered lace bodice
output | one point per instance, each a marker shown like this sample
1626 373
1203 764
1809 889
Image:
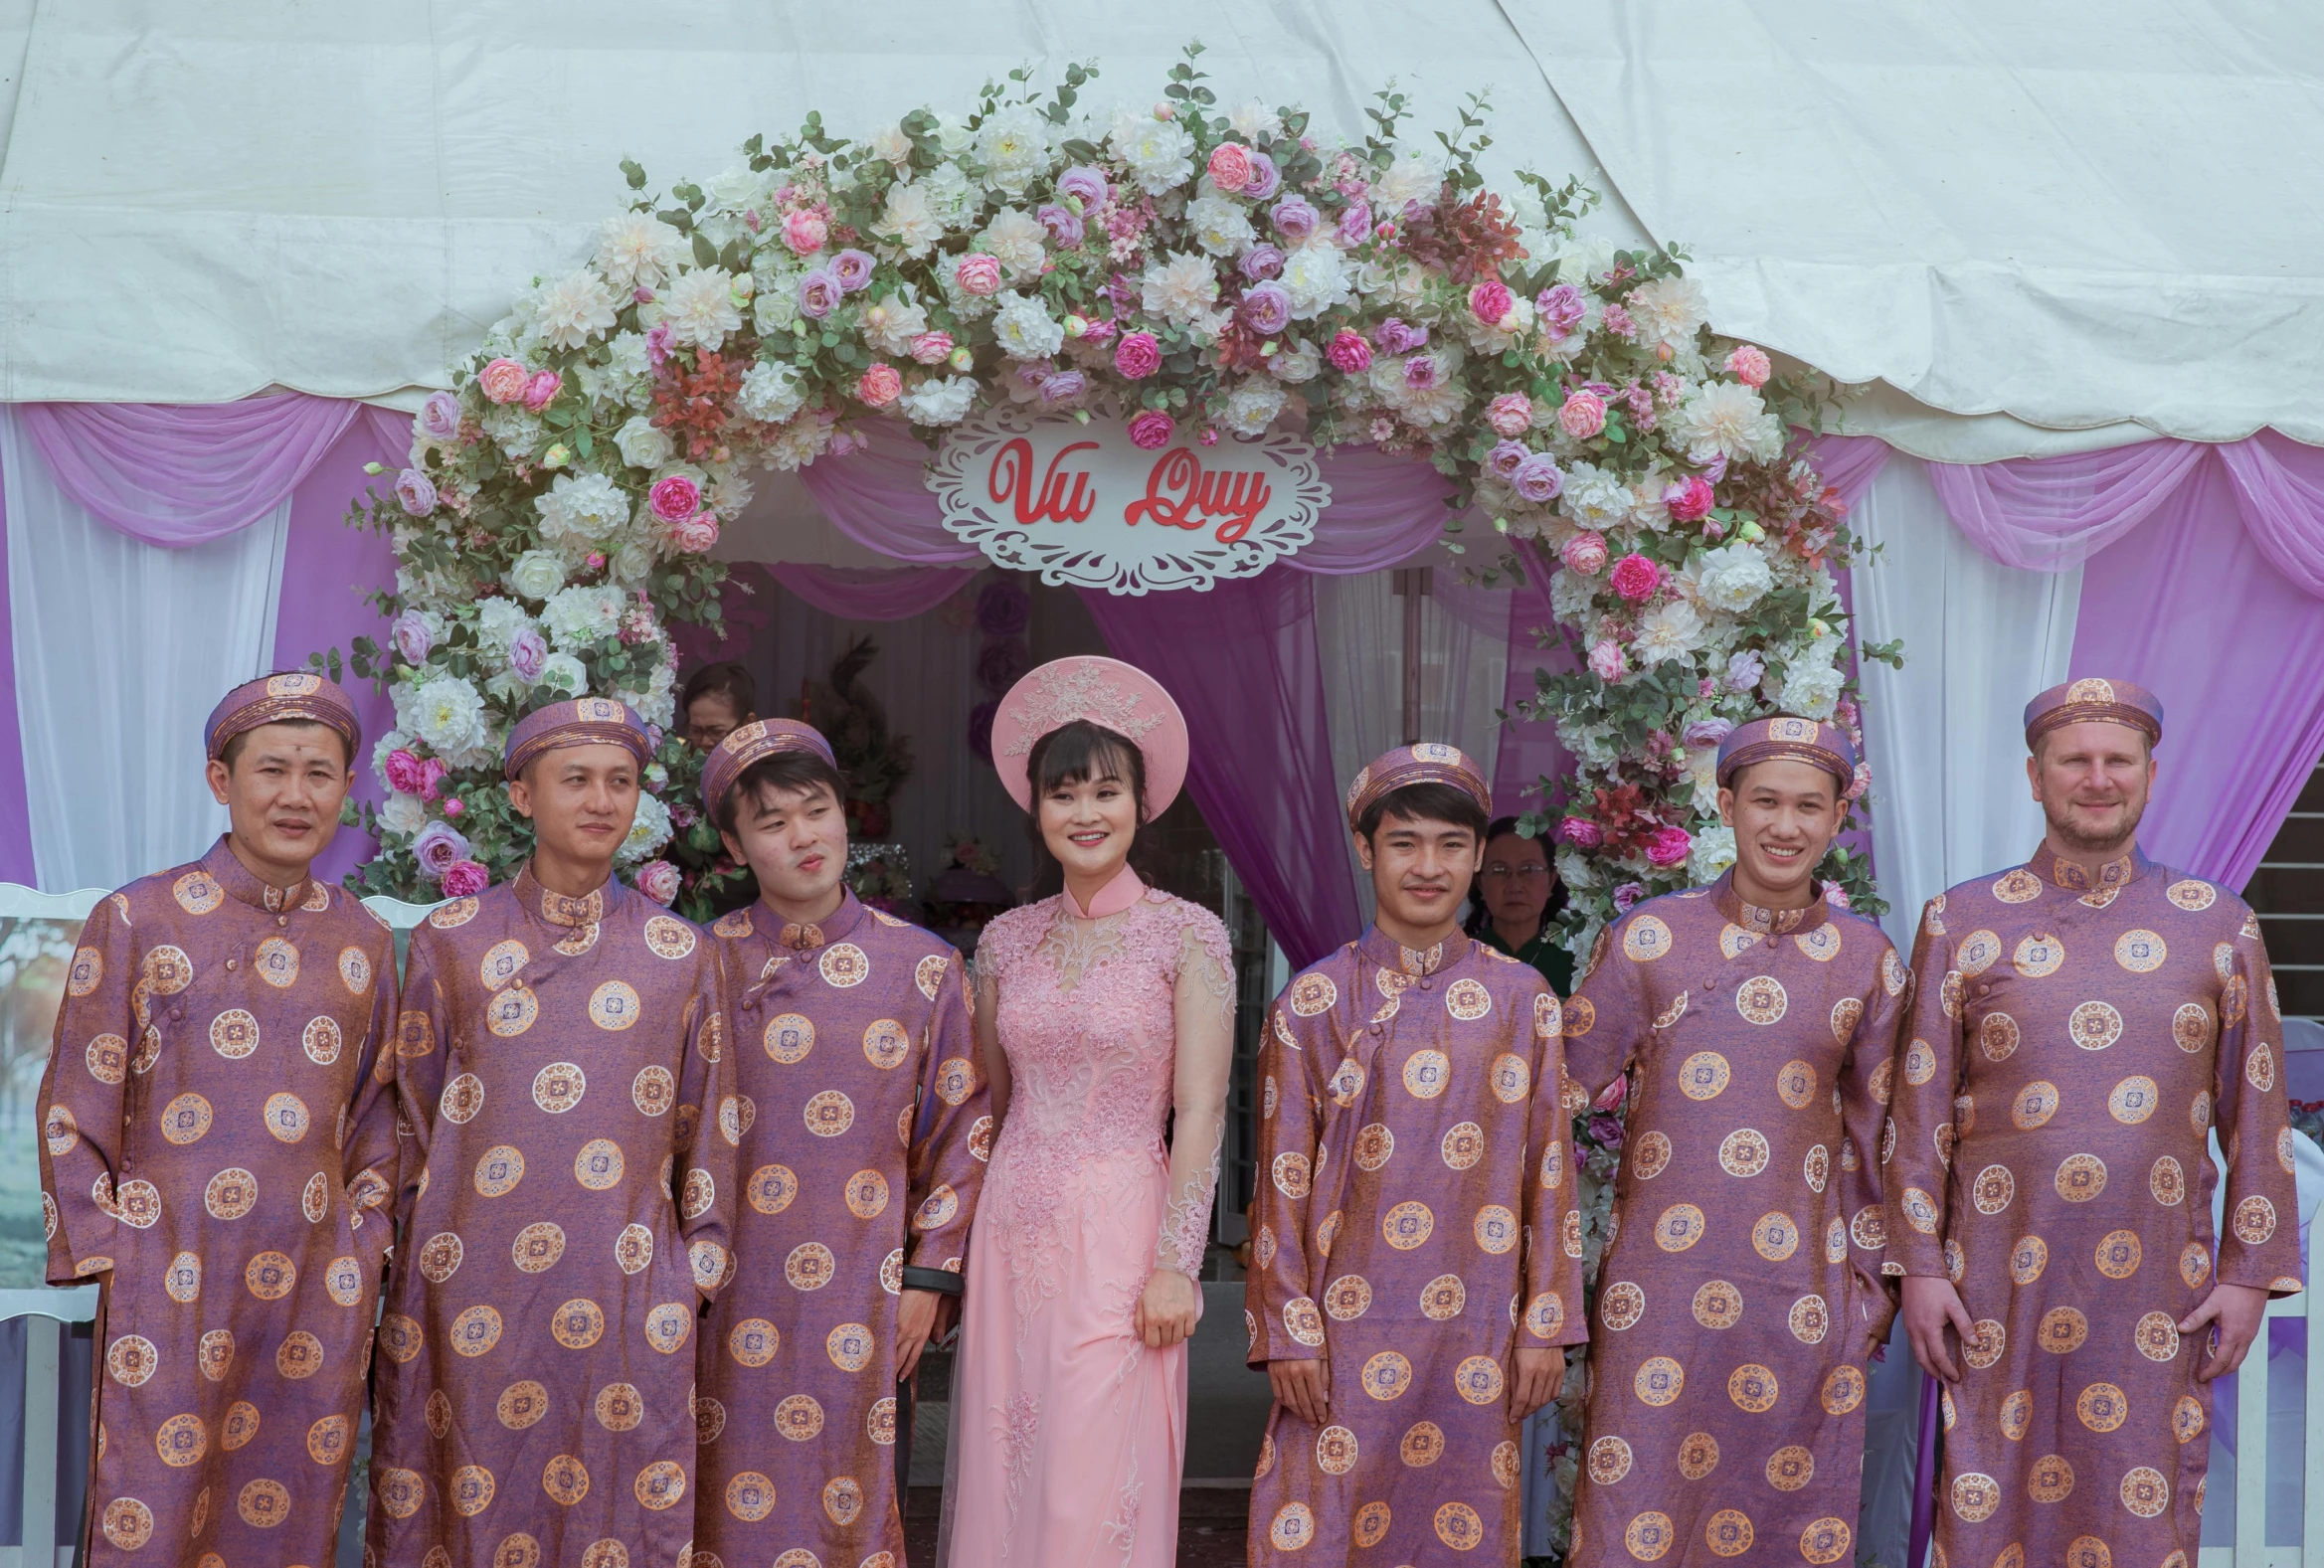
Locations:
1109 1026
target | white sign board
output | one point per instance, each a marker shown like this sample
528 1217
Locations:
1084 505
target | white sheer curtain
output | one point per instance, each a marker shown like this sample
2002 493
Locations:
1945 734
121 650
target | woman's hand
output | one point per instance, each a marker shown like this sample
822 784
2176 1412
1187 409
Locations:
1167 1309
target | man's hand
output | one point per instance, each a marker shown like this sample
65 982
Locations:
2238 1311
1930 1305
1535 1384
915 1321
1303 1388
948 1319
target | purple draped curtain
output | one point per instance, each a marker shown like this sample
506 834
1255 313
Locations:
870 593
15 862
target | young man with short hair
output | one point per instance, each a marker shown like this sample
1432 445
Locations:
1417 1251
219 1152
2083 1023
864 1138
1748 1024
567 1197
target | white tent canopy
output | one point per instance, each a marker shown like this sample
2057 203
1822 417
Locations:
2030 232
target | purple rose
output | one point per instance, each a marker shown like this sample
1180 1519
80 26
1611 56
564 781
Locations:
1002 662
1004 609
1266 309
1605 1131
1063 387
1355 223
1502 462
1262 261
819 293
1295 217
1266 179
1561 309
853 269
1395 337
1422 372
1085 184
1063 225
528 653
410 638
1709 732
980 719
1626 897
438 845
1715 469
1746 670
415 492
1536 479
439 417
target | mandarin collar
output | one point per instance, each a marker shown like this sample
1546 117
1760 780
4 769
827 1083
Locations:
571 912
1379 948
1112 899
1753 917
246 887
2061 872
805 936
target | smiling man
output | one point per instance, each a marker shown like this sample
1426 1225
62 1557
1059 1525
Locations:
568 1191
1417 1252
219 1152
1750 1024
864 1149
2083 1023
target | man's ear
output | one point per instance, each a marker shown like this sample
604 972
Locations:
2034 777
217 774
1362 850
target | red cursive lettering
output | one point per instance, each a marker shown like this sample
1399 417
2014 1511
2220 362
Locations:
1049 501
1181 494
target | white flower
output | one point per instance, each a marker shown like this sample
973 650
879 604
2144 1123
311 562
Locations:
953 135
799 443
1017 240
627 369
736 188
1254 122
1316 277
1584 257
1014 146
448 714
1595 498
577 618
630 565
1252 405
1726 419
649 829
1732 577
499 622
1409 179
642 442
574 310
516 429
1574 870
586 506
1703 774
1810 689
770 391
657 703
728 493
1670 630
1298 364
1571 595
636 251
1024 328
910 217
401 813
1220 225
964 305
1505 334
1669 312
948 192
890 324
940 401
1180 288
1712 854
699 307
890 144
1159 153
536 574
563 672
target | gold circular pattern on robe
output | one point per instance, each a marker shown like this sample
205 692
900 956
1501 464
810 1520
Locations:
1717 1304
1346 1081
1997 1036
1790 1468
1457 1525
1978 951
108 1057
1679 1227
270 1275
843 966
286 1117
2140 952
1289 1175
518 1550
2017 1414
564 1479
2260 1067
2192 895
498 1170
1697 1454
577 1324
355 970
1427 1074
2167 1182
399 1492
2038 956
1816 1167
1752 1388
2199 1113
1761 1000
1407 1225
181 1440
139 1205
849 1346
1846 1014
519 1406
1975 1496
2190 1027
1479 1379
2187 1418
512 1011
166 970
1468 1000
2253 1220
400 1337
2156 1336
1650 1155
1609 1461
1734 940
2194 1264
866 1194
2028 1259
1810 1320
2145 1493
1335 1451
886 1043
1292 1528
1387 1375
1496 1229
1743 1153
1621 1305
1827 1539
1704 1076
750 1497
264 1505
1795 1085
471 1490
1645 939
2051 1480
829 1114
927 974
299 1355
1374 1145
2094 1025
1580 1016
1649 1537
1312 995
2102 1407
1991 1341
2118 1254
1348 1298
234 1035
2034 1105
1994 1189
772 1188
1658 1380
1920 1210
1729 1532
2080 1177
808 1267
1302 1322
148 1052
501 964
1776 1236
668 938
1511 1078
614 1005
461 1098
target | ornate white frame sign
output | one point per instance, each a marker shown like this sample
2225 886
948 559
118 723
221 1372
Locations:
1085 506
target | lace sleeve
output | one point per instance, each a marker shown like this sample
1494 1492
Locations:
1203 1004
984 999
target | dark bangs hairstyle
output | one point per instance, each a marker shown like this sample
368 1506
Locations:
1479 915
785 773
1424 803
1072 753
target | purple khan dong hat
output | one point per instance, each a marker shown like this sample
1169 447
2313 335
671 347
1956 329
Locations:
271 699
753 742
1788 736
1425 763
2092 698
579 721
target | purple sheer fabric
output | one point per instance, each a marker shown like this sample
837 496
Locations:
16 863
2050 514
870 593
180 475
1849 464
2279 485
878 496
1243 664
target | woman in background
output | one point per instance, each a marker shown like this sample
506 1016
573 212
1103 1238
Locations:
1516 894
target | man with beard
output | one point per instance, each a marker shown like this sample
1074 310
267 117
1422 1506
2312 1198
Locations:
2081 1024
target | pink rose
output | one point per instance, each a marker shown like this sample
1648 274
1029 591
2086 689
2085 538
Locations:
1491 300
503 381
1511 414
1606 660
1230 166
930 348
660 881
1690 500
675 498
879 386
541 391
980 275
1585 554
1583 414
1668 846
1151 430
1580 832
1636 578
1138 355
404 773
1348 353
432 773
694 534
453 807
1835 895
465 879
805 233
1626 897
1749 365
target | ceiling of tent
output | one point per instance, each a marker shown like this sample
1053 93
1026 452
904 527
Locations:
2035 228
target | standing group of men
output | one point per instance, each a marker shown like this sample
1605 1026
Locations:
680 1209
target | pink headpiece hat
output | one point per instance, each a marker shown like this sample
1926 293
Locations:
1427 762
754 742
2108 701
271 699
1107 693
578 721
